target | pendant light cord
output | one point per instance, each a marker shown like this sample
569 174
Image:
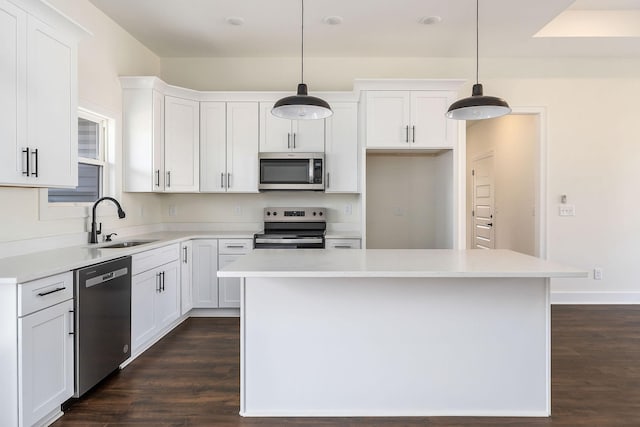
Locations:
477 41
302 44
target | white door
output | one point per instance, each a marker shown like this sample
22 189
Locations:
229 287
205 270
168 306
341 155
144 287
45 358
388 118
483 203
51 106
276 134
308 136
13 23
186 271
242 147
181 145
429 124
213 146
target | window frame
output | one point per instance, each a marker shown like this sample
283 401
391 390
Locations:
65 210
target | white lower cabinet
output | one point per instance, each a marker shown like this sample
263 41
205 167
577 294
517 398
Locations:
186 273
155 298
205 270
229 250
342 243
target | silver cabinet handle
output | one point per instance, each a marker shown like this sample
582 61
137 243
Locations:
168 179
26 152
162 276
72 329
294 140
184 249
234 246
228 180
406 133
157 177
288 139
35 163
222 180
342 246
413 133
41 294
157 282
328 179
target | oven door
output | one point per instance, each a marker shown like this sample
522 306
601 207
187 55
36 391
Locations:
291 171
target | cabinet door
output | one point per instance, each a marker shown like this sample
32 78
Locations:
388 118
45 357
157 141
186 272
242 147
51 106
144 287
308 136
429 125
205 269
168 305
13 23
213 143
229 287
275 133
342 243
181 145
341 154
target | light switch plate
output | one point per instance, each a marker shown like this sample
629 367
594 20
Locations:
567 210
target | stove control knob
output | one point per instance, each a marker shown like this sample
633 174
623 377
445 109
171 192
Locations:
320 214
268 213
275 213
314 214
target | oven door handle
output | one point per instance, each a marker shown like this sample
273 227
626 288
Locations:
290 241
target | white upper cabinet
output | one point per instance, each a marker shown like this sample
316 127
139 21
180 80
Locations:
38 92
181 145
341 155
408 119
229 147
279 135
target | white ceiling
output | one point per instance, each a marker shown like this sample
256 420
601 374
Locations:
381 28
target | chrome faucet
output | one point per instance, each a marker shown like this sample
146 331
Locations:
95 229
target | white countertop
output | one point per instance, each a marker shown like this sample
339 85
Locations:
32 266
394 263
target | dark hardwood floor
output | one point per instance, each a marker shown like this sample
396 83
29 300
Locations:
191 378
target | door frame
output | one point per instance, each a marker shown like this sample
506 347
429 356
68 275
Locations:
541 178
471 222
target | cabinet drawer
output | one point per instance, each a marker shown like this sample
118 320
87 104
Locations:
43 293
342 244
235 246
154 258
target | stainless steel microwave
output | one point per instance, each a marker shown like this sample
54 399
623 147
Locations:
291 171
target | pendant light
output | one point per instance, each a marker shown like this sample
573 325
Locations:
302 105
478 106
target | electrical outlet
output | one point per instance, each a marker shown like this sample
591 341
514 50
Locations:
348 209
173 210
237 211
597 273
567 210
141 211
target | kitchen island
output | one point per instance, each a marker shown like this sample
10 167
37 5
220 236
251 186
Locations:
395 332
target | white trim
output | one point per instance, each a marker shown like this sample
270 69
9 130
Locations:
595 297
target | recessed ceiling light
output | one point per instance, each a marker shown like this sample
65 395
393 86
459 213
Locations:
332 20
430 20
234 20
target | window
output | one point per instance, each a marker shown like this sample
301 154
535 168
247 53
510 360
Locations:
92 137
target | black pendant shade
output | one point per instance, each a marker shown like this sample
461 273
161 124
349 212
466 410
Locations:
478 106
301 106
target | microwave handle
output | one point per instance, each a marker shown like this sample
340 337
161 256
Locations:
311 171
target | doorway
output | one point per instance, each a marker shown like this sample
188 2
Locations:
516 148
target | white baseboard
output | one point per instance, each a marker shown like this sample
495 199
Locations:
214 312
600 297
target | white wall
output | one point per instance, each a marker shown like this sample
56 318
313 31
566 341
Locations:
592 139
111 52
513 139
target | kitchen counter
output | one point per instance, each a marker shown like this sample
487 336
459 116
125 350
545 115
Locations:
35 265
395 332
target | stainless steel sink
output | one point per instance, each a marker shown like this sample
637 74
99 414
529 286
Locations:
126 244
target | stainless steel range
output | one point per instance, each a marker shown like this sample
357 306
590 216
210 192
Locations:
292 228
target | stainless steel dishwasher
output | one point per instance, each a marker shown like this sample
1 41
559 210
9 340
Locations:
102 321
